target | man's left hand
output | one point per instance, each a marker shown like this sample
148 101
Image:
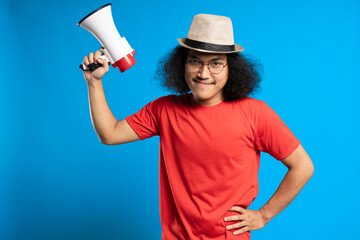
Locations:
250 220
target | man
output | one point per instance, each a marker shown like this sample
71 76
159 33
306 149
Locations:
210 139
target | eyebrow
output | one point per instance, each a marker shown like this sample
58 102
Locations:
217 58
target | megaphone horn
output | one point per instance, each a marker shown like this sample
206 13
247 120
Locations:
117 50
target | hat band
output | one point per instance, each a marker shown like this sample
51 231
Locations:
209 46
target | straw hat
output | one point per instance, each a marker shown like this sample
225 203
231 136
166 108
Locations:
212 34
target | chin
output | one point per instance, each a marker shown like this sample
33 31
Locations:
203 96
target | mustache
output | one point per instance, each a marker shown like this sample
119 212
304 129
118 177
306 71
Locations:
199 80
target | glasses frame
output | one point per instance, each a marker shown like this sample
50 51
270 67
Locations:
202 65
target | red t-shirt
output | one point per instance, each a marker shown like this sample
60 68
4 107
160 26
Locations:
209 160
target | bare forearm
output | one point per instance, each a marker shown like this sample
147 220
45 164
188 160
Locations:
102 118
289 188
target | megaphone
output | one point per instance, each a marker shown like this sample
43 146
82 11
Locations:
117 50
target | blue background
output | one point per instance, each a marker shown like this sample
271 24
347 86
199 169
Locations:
57 181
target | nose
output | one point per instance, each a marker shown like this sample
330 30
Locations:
203 72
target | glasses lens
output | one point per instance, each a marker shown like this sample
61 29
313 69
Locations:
193 65
216 66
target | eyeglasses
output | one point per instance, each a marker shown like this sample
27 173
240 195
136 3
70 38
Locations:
214 66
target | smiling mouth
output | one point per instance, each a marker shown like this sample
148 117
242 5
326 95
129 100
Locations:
204 83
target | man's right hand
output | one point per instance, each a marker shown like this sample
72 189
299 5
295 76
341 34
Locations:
96 75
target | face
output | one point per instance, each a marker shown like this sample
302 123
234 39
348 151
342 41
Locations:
206 87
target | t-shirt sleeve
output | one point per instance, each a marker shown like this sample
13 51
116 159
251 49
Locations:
145 122
272 135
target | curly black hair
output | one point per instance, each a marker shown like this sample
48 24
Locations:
244 74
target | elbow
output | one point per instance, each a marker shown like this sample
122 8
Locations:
309 170
110 141
305 170
105 141
312 169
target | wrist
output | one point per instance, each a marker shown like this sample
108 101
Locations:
94 83
265 215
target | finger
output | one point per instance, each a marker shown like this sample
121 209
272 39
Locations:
244 229
91 57
86 60
236 225
104 63
235 218
97 55
238 209
102 51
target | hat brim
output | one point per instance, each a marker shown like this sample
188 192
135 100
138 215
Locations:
181 41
